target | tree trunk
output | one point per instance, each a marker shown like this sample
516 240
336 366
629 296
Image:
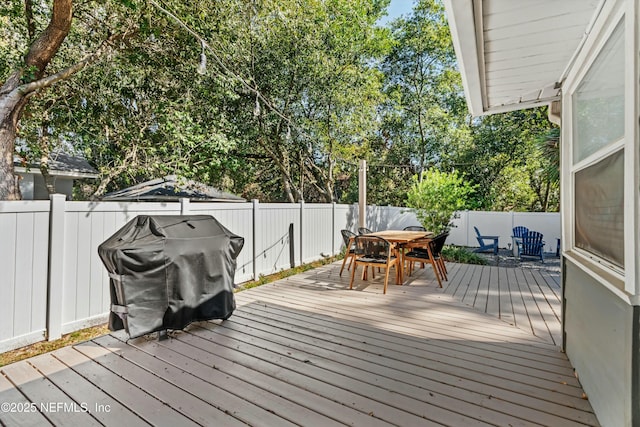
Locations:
14 93
10 110
45 153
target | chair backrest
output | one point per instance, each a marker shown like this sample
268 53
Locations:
532 243
415 228
520 231
347 235
437 243
477 231
373 247
364 230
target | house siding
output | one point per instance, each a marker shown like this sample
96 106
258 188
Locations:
599 339
635 368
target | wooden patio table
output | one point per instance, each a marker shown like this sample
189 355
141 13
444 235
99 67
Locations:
400 238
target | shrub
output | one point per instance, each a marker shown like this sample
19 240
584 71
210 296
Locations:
461 255
436 197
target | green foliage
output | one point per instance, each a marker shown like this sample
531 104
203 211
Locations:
436 196
462 255
511 190
313 65
503 159
292 95
29 74
425 112
128 3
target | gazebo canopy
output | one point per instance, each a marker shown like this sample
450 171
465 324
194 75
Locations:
172 188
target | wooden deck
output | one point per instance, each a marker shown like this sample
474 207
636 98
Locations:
530 299
308 351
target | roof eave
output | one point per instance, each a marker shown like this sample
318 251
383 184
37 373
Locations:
53 172
466 42
505 108
169 199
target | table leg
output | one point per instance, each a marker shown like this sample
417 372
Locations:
399 265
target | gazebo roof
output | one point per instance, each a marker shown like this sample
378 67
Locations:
171 188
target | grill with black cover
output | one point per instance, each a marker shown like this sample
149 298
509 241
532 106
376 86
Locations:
168 271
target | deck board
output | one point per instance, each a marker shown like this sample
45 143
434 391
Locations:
533 310
308 351
204 353
157 384
506 305
10 394
425 325
417 369
145 405
244 401
41 391
451 352
517 302
527 298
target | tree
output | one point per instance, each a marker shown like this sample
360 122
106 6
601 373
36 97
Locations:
548 187
142 109
154 113
25 81
425 111
276 99
502 158
314 91
24 77
436 196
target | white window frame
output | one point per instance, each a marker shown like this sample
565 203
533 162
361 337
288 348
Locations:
607 273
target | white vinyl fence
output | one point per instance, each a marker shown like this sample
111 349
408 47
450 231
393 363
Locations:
501 224
52 281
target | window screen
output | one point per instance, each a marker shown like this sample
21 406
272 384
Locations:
599 205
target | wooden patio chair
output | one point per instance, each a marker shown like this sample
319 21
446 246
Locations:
436 251
415 247
350 249
364 230
415 228
420 253
532 245
373 251
486 246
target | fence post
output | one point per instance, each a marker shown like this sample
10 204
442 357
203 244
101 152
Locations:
466 225
301 231
333 228
184 206
256 243
362 194
55 280
292 247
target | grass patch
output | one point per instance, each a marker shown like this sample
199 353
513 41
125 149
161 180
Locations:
462 255
263 280
47 346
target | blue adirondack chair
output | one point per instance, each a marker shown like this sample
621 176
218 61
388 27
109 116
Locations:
532 245
516 238
520 231
486 246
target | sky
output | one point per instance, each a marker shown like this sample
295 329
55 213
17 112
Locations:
397 8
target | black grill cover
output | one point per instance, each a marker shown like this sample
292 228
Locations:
169 271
